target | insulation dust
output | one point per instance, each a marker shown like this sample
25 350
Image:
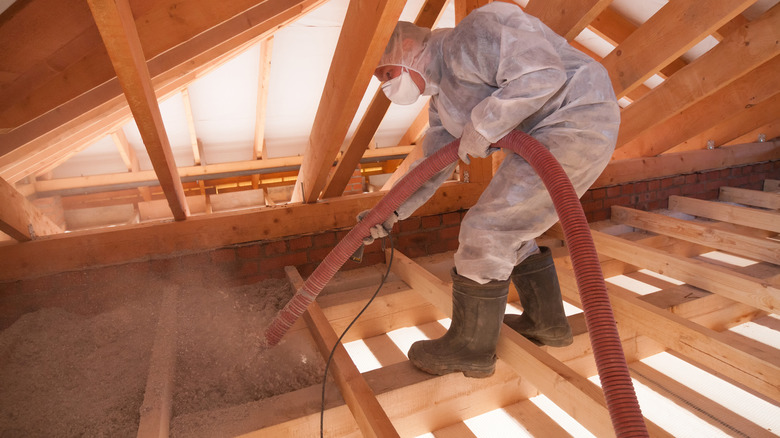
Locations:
65 374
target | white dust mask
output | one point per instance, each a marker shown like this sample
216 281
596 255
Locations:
401 89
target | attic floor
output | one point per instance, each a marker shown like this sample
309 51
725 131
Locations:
703 363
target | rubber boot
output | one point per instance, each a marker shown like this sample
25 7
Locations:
543 320
469 346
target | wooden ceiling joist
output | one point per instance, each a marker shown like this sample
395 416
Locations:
728 241
665 36
733 57
117 28
371 418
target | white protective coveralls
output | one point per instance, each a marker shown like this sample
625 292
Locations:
503 69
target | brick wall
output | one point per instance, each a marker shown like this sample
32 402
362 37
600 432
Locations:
654 194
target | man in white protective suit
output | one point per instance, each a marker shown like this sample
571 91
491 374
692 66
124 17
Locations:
500 69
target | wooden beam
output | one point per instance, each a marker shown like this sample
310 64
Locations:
171 71
573 393
707 410
753 198
194 143
749 217
156 409
732 242
707 276
638 169
364 35
669 33
117 28
208 171
744 126
567 18
427 17
751 89
357 145
20 219
362 402
720 66
266 48
199 233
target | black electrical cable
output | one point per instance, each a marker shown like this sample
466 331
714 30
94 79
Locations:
330 357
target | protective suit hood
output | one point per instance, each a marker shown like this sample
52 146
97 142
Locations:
418 49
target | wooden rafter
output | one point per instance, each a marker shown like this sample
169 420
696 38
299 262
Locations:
720 66
364 35
741 95
117 27
742 126
665 36
90 113
567 18
266 48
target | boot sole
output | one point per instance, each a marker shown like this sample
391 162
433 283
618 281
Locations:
479 372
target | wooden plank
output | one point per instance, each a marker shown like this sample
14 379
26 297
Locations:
427 17
713 413
745 92
575 394
715 279
748 246
358 144
364 35
198 233
19 218
719 66
158 397
565 17
362 402
753 198
725 351
117 28
266 47
751 217
666 35
638 169
772 185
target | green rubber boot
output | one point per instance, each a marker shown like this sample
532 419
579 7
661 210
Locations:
469 346
543 320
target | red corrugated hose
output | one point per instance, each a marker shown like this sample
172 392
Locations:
613 371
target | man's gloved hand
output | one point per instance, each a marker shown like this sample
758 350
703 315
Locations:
472 143
379 230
